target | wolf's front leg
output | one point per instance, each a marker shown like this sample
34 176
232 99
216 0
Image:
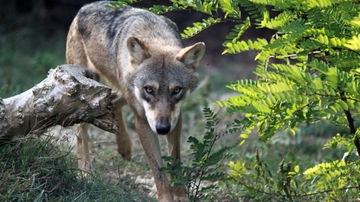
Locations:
122 139
150 144
82 147
173 140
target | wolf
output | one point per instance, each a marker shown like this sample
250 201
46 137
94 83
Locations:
141 56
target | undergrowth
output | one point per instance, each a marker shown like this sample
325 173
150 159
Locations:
208 163
35 169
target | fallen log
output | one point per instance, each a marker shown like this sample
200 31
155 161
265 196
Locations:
67 96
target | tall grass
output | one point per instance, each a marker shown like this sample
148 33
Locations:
35 169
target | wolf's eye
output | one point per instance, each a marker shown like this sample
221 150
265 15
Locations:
177 90
149 90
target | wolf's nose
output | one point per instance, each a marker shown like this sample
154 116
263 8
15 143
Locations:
163 129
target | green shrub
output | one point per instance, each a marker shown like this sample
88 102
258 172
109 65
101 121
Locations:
308 73
205 168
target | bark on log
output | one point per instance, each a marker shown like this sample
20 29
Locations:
67 96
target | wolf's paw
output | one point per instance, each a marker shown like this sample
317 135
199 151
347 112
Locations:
183 198
125 152
124 145
180 194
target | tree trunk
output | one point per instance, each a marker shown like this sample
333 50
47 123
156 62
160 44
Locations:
67 96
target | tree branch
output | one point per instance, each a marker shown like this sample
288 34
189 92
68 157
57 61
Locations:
351 125
66 97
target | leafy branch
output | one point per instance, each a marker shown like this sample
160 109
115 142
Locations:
315 78
204 165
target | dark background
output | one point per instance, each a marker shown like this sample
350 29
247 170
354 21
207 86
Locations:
33 35
50 16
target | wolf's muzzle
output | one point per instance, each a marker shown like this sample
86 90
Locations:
163 127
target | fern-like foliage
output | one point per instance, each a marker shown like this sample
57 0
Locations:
318 79
199 26
319 43
204 166
315 77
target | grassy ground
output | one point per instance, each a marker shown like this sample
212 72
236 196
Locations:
45 169
35 169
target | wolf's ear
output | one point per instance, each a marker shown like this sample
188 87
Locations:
192 55
137 50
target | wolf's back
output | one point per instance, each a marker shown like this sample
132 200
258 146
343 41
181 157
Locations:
120 23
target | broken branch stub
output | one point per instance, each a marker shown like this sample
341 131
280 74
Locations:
67 96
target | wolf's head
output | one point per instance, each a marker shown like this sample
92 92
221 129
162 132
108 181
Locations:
161 79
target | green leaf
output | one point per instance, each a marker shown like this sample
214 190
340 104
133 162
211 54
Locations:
199 26
356 20
297 168
244 136
226 6
343 104
354 43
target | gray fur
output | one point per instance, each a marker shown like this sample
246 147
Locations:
143 59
